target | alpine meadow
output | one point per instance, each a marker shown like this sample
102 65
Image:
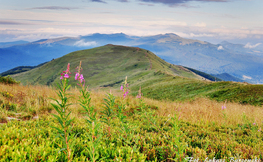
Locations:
120 103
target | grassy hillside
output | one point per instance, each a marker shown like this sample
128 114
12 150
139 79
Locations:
183 89
107 66
104 66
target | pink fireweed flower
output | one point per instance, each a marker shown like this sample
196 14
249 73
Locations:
66 76
81 78
223 107
76 76
67 71
254 123
124 88
125 94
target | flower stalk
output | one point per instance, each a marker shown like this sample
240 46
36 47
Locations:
63 119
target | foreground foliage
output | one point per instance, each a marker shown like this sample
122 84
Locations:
134 130
143 137
118 127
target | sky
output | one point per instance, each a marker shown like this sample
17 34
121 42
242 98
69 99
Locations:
236 21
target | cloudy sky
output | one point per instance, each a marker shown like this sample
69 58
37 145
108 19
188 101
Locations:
237 21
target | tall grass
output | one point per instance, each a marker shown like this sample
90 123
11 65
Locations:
35 100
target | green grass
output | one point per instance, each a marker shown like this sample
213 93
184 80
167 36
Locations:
165 87
152 139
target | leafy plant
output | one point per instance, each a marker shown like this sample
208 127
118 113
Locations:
108 109
63 132
8 80
93 134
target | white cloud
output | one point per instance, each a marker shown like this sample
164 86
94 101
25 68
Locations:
192 35
202 24
248 45
220 48
246 77
82 43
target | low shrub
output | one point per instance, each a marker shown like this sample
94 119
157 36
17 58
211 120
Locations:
8 80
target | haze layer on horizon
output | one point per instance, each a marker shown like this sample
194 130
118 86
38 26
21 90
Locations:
237 21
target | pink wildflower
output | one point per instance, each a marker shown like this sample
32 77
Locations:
124 88
223 107
254 123
125 94
66 76
81 78
76 76
67 71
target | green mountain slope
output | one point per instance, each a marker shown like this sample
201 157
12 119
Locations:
183 89
105 66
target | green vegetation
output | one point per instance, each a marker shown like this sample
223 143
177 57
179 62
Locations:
183 89
132 131
243 94
147 139
8 80
122 128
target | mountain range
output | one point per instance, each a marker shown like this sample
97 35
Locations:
240 61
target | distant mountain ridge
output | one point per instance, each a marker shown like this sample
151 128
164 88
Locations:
20 69
227 77
236 60
9 44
